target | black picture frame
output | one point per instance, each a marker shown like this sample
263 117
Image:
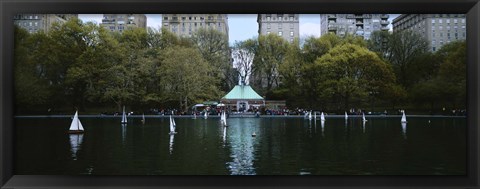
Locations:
8 8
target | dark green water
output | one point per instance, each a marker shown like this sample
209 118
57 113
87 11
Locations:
283 146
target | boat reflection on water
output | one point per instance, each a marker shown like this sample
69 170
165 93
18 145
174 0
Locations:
124 132
363 126
75 144
242 145
404 130
172 137
224 137
322 125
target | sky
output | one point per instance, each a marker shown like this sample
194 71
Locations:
241 26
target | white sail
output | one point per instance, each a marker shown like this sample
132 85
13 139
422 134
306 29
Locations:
76 124
224 118
322 117
346 115
80 126
404 118
172 126
363 117
124 117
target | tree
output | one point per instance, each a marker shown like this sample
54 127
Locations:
351 73
186 77
213 45
290 73
243 54
379 43
269 56
30 88
403 49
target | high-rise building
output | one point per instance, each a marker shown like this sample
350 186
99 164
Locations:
356 24
185 25
40 22
120 22
438 29
284 25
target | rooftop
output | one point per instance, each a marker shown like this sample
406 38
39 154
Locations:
242 92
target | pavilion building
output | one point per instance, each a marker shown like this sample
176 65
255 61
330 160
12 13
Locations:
243 98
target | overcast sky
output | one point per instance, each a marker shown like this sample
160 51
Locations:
241 26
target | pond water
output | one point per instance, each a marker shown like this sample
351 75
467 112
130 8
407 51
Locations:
282 146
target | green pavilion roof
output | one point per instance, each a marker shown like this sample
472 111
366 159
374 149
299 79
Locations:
242 92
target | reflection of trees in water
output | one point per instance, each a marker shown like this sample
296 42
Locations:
242 146
75 144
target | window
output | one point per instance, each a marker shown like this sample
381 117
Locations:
291 33
268 26
448 21
268 32
439 21
440 27
291 18
183 18
455 21
280 33
36 17
30 24
463 21
165 18
280 18
433 21
36 23
291 25
189 18
433 42
280 26
268 18
433 49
